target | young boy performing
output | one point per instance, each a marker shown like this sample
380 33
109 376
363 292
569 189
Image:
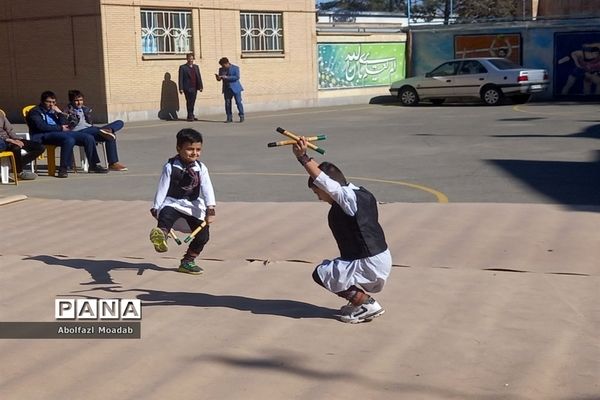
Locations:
184 191
365 261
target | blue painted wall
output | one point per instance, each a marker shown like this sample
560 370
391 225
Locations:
435 44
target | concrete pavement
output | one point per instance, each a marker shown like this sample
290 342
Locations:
486 300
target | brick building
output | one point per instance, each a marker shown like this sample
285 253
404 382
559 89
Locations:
124 54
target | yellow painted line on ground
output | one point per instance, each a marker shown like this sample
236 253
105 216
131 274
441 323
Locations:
440 197
165 123
517 108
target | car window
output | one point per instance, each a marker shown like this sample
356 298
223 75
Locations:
503 63
445 69
471 67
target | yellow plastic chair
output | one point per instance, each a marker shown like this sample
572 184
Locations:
26 110
50 148
24 135
5 164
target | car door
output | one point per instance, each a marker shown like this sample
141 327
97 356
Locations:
439 82
471 76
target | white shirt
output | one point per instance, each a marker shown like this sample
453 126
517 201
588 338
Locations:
196 207
342 195
82 124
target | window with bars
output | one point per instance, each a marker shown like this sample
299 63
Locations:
166 32
262 32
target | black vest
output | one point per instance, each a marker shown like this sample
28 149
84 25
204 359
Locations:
359 236
179 180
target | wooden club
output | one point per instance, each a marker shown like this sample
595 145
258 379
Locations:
195 232
291 141
292 135
174 236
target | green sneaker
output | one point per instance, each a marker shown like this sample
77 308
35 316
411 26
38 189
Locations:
159 240
189 267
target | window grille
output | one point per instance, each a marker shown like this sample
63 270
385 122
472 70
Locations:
166 32
261 32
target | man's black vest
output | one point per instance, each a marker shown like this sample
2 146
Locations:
179 180
359 236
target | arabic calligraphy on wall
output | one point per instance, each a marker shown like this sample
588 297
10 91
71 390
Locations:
357 65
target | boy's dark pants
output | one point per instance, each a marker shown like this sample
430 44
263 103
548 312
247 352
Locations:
168 216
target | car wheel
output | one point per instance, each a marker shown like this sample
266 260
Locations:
491 95
521 98
408 96
437 102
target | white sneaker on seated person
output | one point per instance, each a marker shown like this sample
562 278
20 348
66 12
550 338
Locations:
27 176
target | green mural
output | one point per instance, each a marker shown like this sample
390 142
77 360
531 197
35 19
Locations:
356 65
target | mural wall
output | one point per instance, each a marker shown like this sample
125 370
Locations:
577 64
555 46
359 65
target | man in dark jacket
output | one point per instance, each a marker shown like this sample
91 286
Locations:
190 82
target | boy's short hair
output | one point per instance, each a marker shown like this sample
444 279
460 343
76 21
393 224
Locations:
223 61
47 95
188 135
332 171
73 94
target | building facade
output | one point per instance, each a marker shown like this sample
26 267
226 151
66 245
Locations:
124 55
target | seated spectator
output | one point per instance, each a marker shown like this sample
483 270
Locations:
11 142
48 125
80 120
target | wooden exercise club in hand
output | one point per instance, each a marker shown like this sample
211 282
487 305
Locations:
295 137
174 236
195 232
291 141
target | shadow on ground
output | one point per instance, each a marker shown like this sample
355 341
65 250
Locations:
591 132
282 308
293 363
567 182
99 270
394 101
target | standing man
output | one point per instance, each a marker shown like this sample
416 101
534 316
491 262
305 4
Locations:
190 82
232 88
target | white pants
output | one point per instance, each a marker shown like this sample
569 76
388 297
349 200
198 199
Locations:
369 273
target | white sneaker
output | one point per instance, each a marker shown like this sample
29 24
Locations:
365 312
27 176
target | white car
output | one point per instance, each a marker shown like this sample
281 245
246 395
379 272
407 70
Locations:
488 79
